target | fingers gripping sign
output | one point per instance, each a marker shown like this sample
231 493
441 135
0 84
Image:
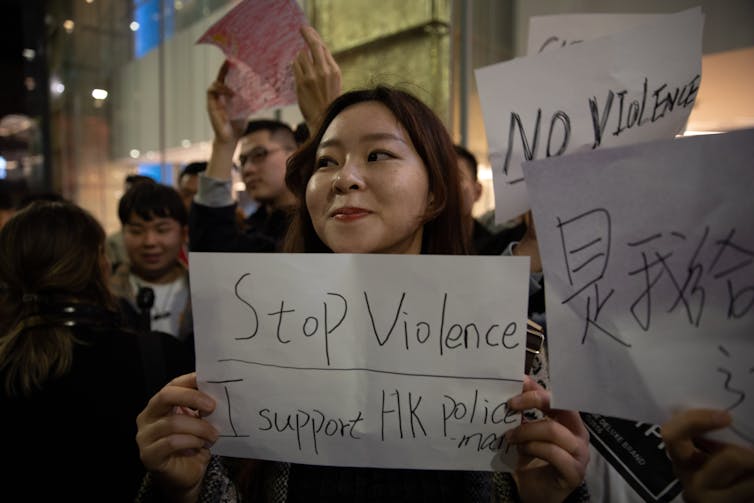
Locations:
318 78
553 451
709 470
173 436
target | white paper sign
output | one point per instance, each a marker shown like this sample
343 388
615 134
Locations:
361 360
634 86
547 33
648 254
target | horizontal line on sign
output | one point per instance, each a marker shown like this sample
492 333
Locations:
376 371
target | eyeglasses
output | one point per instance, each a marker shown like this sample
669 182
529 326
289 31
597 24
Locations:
257 156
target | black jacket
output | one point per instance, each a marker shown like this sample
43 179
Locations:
215 229
75 439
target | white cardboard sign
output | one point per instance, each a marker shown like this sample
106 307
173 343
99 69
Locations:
648 254
634 86
361 360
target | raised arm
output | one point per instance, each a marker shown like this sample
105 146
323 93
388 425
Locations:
318 79
227 132
708 470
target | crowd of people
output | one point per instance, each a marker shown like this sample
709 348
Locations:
96 342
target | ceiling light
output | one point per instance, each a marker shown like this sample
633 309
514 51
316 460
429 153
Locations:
56 87
134 26
99 94
68 25
134 153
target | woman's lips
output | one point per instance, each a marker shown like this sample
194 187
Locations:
348 213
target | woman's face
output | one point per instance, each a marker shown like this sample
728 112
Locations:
370 190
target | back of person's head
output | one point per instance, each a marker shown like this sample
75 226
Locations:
51 255
152 200
470 159
41 196
278 130
443 227
193 168
132 180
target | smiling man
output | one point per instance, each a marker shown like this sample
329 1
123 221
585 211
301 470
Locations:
154 231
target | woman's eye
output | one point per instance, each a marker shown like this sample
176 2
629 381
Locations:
324 162
379 156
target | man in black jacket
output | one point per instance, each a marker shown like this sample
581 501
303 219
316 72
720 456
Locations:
265 146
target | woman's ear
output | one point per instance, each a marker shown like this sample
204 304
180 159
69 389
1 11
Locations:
432 210
430 202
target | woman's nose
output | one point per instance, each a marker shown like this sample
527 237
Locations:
348 177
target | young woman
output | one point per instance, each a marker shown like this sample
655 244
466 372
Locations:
62 354
379 176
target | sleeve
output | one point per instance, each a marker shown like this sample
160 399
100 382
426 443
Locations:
213 192
217 487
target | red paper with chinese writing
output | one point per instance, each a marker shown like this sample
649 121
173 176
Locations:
260 38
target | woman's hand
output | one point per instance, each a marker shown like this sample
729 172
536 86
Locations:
317 78
708 470
552 452
174 439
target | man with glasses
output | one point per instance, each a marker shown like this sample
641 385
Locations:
264 147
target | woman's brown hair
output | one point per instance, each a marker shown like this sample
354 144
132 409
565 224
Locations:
443 225
51 253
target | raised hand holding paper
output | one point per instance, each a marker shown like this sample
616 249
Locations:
261 39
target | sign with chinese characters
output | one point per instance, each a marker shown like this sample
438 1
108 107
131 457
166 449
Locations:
361 360
634 86
648 254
